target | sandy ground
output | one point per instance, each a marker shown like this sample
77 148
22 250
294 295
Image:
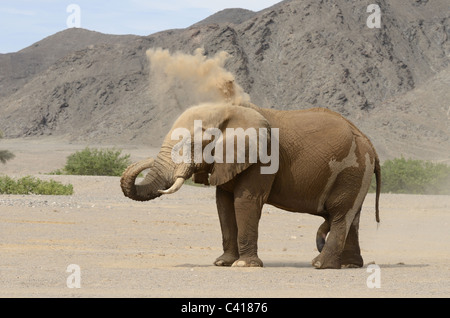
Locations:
165 248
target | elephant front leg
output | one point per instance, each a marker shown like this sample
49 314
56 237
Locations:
250 193
227 218
239 213
247 217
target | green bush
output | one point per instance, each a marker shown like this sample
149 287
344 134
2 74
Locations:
412 176
31 185
94 162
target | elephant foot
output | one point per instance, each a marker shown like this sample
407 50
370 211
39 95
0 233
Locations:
351 261
248 262
225 260
321 262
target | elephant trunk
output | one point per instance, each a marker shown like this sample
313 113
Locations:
165 177
127 182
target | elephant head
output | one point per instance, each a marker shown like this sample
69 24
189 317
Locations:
167 175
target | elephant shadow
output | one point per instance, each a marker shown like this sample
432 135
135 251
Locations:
287 264
308 265
275 264
268 264
400 265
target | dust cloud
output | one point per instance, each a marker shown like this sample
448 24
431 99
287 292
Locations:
196 78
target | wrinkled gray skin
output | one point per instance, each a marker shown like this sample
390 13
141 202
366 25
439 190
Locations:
325 168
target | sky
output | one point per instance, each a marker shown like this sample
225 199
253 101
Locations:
24 22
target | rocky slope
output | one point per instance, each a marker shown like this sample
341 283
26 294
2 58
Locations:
390 81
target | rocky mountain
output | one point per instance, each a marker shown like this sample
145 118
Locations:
392 81
234 16
415 123
19 68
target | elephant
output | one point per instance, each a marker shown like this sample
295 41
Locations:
325 167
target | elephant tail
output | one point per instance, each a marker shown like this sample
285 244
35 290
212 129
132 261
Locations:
378 190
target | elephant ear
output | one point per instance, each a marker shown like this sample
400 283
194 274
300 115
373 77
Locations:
243 125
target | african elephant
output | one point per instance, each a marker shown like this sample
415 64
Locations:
325 168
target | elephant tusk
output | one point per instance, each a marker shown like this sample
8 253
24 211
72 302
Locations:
174 188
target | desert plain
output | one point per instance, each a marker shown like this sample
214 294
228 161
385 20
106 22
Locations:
166 247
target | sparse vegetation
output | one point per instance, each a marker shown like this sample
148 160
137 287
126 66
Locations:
95 162
32 185
5 155
413 176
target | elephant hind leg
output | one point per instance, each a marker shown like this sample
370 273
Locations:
330 255
344 207
341 246
351 256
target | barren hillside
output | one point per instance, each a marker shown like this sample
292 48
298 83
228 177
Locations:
392 81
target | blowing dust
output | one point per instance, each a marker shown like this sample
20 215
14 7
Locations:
194 79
